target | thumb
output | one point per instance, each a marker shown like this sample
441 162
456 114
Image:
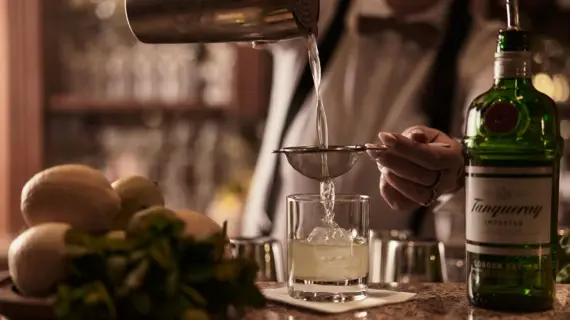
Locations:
417 134
422 134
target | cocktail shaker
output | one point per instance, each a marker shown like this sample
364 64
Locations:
415 262
378 244
264 251
207 21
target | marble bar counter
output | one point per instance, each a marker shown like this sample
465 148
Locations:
433 301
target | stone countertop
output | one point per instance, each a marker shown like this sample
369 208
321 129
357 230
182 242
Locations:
433 301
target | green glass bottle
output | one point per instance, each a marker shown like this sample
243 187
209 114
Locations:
513 149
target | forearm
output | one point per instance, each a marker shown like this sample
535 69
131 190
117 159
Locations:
460 180
454 199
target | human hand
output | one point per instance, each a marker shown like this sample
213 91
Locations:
415 173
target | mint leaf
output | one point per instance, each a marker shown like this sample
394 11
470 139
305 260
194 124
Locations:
563 276
161 253
171 284
198 275
156 274
78 238
141 302
195 314
135 279
193 295
228 271
117 266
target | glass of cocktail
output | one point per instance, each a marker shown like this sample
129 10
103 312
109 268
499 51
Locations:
328 249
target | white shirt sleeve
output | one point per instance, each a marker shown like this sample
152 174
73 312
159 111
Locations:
381 9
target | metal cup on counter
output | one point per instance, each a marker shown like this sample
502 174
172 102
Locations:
266 252
378 251
450 230
455 261
415 261
201 21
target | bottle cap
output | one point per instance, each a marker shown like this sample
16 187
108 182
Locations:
513 40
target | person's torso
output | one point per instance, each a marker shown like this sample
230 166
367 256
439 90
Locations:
373 84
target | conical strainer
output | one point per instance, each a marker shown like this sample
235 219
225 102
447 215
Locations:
309 160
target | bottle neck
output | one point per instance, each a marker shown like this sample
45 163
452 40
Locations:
513 69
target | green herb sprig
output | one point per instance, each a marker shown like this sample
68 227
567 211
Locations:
563 258
159 274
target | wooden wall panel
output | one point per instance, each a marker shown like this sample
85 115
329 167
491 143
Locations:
253 83
21 104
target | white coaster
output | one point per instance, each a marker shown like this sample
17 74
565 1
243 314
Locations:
375 298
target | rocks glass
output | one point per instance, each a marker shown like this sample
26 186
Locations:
328 254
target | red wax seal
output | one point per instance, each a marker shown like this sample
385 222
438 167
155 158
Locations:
501 117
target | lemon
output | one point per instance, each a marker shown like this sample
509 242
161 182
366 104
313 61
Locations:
137 193
75 194
198 225
142 220
36 258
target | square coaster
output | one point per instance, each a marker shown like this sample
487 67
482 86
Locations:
375 298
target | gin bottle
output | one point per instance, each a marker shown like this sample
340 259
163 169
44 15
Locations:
513 148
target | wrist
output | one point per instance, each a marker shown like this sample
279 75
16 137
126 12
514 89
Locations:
460 180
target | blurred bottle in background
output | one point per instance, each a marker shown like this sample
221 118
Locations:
102 60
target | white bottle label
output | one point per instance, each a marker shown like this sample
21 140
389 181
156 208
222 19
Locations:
508 205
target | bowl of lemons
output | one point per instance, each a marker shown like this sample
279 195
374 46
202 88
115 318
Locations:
95 249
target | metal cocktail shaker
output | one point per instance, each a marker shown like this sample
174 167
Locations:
195 21
264 251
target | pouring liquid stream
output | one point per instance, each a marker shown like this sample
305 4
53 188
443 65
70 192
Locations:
328 255
327 189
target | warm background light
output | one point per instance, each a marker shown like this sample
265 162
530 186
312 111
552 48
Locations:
556 86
